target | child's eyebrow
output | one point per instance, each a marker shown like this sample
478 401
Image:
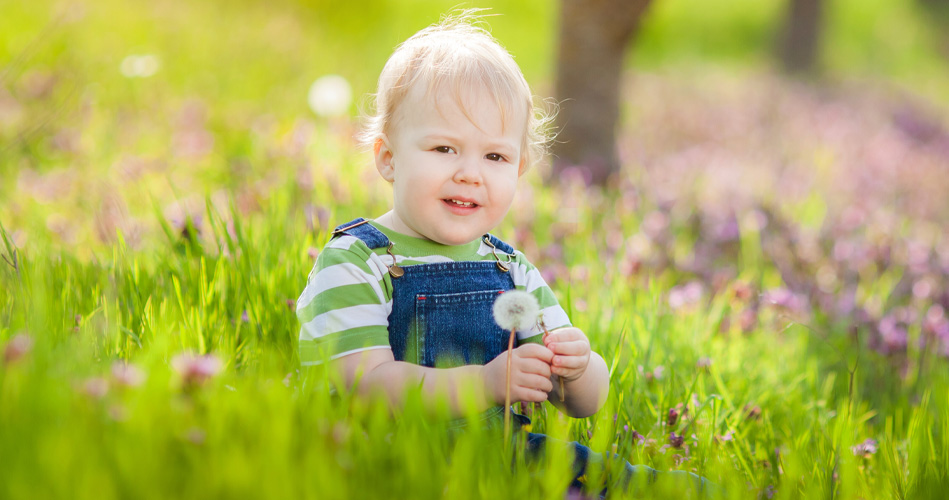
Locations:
440 137
501 145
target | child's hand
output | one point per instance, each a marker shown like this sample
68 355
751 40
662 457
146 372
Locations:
571 350
530 374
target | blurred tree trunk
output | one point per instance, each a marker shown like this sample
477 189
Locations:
800 41
936 13
594 35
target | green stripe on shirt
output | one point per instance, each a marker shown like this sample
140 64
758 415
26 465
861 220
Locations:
338 298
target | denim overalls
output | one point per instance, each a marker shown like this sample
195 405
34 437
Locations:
441 313
442 317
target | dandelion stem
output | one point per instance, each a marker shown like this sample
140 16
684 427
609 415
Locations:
546 333
507 387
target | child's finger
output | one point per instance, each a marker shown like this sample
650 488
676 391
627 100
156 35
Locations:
562 372
563 335
569 362
535 366
530 395
535 382
535 351
569 348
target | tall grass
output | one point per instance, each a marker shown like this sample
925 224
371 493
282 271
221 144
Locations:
776 408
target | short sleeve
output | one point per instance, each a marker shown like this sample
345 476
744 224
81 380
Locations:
528 278
345 306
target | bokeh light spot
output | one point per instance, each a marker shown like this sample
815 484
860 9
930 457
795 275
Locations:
330 95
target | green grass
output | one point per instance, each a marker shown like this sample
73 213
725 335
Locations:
262 428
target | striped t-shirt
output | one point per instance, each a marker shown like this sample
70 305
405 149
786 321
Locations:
348 296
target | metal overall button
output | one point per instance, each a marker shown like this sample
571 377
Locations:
504 267
394 270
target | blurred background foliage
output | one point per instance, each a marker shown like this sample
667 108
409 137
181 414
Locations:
228 67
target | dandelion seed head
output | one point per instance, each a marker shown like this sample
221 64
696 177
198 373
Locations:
330 95
516 310
140 66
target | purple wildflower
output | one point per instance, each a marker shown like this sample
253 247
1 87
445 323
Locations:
893 334
865 449
785 299
676 440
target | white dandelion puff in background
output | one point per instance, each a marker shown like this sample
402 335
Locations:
330 95
516 310
140 65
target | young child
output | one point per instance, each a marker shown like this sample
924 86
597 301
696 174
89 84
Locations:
406 299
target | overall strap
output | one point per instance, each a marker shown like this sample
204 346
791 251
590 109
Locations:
359 228
500 245
504 265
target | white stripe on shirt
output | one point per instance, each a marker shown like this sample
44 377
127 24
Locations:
345 318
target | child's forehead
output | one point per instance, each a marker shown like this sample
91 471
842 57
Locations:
467 98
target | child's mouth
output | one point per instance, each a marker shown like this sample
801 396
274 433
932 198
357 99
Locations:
459 206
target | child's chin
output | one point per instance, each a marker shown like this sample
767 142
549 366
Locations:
454 239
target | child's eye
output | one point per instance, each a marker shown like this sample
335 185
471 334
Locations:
494 157
444 149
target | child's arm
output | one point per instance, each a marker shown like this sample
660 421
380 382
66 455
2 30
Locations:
378 373
586 377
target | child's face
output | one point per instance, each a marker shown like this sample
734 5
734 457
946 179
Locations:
453 177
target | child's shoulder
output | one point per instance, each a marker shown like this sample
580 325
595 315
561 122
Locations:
346 245
351 252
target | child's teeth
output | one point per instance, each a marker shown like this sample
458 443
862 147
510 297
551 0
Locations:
462 203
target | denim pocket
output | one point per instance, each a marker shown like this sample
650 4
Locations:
458 329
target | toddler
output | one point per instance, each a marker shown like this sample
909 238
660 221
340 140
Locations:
406 298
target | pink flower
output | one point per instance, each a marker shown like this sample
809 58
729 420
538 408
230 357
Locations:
95 387
18 347
687 294
704 363
196 370
127 375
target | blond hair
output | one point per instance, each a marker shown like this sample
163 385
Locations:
457 52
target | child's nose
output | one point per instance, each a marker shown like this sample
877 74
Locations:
469 171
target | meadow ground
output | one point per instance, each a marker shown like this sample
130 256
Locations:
767 279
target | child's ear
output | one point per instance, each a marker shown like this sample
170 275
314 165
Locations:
522 166
383 157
